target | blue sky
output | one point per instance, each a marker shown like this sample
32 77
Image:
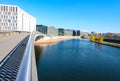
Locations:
89 15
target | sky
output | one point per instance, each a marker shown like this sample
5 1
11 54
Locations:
90 15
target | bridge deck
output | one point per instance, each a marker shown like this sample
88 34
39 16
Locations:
9 66
8 43
10 47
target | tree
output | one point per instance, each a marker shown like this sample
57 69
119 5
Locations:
92 38
100 38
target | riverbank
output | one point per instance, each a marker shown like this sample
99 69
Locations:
110 44
53 40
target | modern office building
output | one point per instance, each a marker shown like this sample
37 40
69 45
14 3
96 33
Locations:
68 32
42 28
65 32
78 32
60 32
13 18
51 31
74 33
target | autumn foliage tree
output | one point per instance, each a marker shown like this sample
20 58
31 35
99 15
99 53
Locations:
92 38
98 38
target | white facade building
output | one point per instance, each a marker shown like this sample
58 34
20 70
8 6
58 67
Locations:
13 18
84 34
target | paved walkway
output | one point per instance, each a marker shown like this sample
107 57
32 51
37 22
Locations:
8 43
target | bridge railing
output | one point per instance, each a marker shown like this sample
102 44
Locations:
25 72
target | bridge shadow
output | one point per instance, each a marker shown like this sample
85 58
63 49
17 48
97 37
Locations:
39 37
38 51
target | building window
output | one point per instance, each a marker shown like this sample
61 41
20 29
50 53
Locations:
6 24
1 8
16 9
6 28
13 17
16 17
9 13
5 20
10 9
4 8
6 17
1 16
13 9
15 13
9 20
3 13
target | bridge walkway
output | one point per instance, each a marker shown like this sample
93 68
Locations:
9 66
9 42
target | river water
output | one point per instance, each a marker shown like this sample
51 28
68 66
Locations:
78 60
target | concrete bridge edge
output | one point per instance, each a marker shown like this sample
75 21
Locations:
34 66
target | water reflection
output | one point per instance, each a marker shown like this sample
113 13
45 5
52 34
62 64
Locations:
98 45
38 51
78 60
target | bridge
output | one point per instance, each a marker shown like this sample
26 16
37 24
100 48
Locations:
17 57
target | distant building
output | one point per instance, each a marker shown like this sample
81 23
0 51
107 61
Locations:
51 31
60 32
74 33
112 35
68 32
119 34
104 34
84 34
65 32
13 18
42 29
78 33
93 33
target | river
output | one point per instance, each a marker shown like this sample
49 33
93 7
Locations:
78 60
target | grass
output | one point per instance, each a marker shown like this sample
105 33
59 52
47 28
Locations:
109 43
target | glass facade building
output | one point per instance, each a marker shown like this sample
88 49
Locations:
50 31
42 28
65 32
60 32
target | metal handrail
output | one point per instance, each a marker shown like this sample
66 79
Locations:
25 71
